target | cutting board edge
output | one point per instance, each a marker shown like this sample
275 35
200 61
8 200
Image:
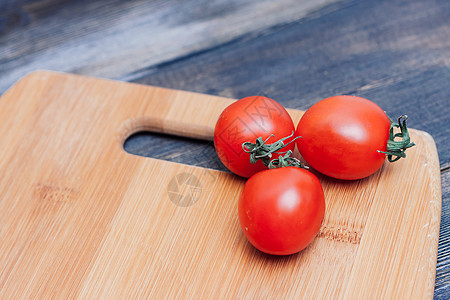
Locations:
437 201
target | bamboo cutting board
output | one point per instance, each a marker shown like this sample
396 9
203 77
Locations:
81 218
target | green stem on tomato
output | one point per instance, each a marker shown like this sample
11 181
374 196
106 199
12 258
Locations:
286 161
396 149
262 151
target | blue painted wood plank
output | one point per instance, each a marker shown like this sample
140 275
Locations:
114 38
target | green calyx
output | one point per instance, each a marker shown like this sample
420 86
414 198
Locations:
396 148
286 161
260 150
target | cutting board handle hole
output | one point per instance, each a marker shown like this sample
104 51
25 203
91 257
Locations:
173 148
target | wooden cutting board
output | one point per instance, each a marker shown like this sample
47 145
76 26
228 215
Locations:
81 218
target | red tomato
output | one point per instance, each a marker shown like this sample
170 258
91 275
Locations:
244 121
281 210
341 136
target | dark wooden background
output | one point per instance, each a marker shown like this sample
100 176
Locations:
396 53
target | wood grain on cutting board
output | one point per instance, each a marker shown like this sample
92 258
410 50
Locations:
80 217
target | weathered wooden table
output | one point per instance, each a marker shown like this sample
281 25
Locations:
396 53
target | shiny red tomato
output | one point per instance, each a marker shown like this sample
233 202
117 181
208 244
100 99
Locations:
341 136
281 210
244 121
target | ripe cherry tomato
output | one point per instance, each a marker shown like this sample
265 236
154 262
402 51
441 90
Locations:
281 210
341 136
244 121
